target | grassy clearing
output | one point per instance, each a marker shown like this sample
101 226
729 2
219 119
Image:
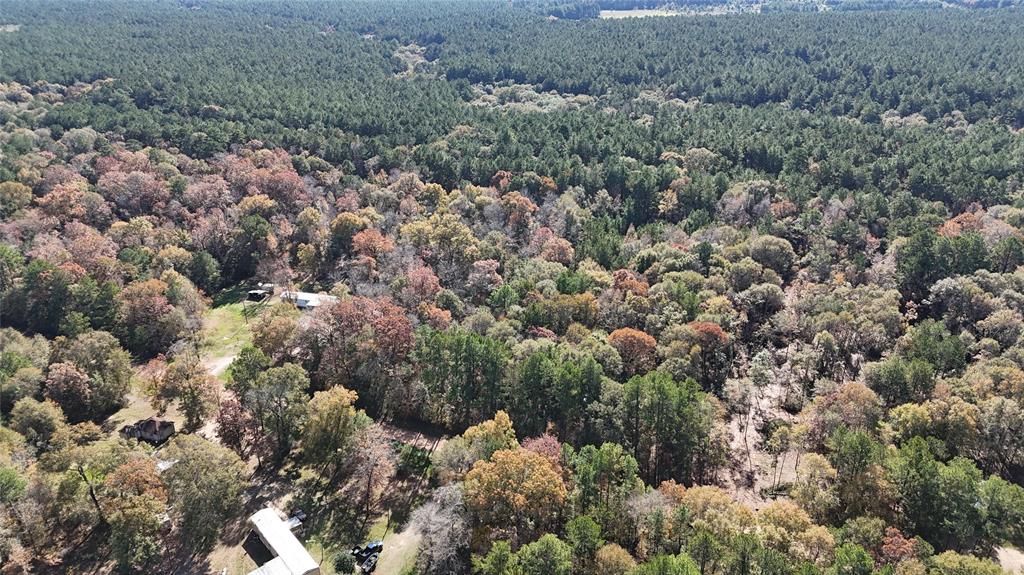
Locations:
226 330
226 327
325 558
400 548
137 406
337 526
234 559
237 561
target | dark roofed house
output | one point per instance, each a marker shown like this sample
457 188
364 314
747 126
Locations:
151 430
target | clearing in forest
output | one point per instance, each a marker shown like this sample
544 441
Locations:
638 13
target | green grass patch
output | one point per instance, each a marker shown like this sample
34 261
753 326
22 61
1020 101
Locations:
137 407
233 294
326 558
377 530
226 328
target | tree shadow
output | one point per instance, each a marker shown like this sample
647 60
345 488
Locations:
88 552
402 498
265 487
256 550
180 560
233 294
332 518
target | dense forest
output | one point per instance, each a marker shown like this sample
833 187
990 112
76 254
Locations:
703 294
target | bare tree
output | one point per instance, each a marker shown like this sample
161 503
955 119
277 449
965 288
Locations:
373 466
442 523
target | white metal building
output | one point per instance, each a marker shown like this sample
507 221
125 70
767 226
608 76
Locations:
290 555
306 300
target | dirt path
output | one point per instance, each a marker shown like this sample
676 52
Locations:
218 365
753 467
399 552
215 366
1011 559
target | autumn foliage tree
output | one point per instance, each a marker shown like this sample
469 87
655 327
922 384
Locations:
137 496
329 434
825 241
147 321
69 387
712 350
187 382
515 494
204 487
361 344
638 349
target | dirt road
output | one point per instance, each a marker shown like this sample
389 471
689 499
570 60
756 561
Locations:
399 552
1011 560
218 365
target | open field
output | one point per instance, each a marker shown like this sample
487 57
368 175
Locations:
226 329
138 407
400 548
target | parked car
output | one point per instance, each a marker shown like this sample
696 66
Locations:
370 564
362 553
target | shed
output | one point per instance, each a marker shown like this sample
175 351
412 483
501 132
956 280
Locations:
290 555
257 294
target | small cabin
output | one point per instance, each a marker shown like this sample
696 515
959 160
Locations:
151 430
